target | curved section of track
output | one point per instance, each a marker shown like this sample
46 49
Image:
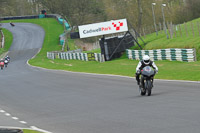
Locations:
63 102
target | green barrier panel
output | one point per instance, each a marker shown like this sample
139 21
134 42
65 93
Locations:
133 54
155 54
163 54
80 56
146 52
140 55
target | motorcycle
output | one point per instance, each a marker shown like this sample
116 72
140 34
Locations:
2 65
147 75
12 24
6 63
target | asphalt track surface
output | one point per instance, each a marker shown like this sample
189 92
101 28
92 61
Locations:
67 102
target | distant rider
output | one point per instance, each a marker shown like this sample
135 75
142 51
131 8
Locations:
145 62
2 60
7 58
2 63
6 61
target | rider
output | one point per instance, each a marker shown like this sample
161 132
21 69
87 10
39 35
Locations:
145 62
2 60
7 58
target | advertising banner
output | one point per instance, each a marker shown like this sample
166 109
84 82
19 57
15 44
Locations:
97 29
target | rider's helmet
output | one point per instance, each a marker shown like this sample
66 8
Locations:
146 60
7 57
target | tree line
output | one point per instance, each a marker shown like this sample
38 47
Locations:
139 13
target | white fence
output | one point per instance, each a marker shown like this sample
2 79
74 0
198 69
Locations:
76 56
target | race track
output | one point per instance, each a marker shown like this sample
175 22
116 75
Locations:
67 102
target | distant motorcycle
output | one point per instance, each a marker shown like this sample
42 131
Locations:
1 65
147 75
12 24
6 63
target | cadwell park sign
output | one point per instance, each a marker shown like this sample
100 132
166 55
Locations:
97 29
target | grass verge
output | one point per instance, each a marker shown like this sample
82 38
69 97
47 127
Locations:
167 69
30 131
8 40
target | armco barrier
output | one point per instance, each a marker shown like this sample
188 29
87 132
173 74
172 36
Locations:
74 56
20 17
29 17
188 55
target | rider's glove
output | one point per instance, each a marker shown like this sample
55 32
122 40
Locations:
155 71
138 72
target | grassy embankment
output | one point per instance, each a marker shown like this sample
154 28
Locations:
181 38
167 69
8 41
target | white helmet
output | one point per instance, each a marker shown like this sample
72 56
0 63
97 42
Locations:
146 59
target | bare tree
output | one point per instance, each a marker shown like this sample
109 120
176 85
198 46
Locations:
140 13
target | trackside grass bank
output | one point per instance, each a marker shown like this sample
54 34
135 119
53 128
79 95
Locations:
182 38
167 69
8 40
123 66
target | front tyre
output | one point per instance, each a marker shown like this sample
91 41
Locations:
142 91
148 87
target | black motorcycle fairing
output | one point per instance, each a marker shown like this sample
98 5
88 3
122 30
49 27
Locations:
147 71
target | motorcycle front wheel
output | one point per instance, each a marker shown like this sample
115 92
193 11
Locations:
148 85
142 91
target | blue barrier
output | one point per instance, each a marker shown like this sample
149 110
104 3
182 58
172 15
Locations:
62 38
62 42
41 16
67 27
